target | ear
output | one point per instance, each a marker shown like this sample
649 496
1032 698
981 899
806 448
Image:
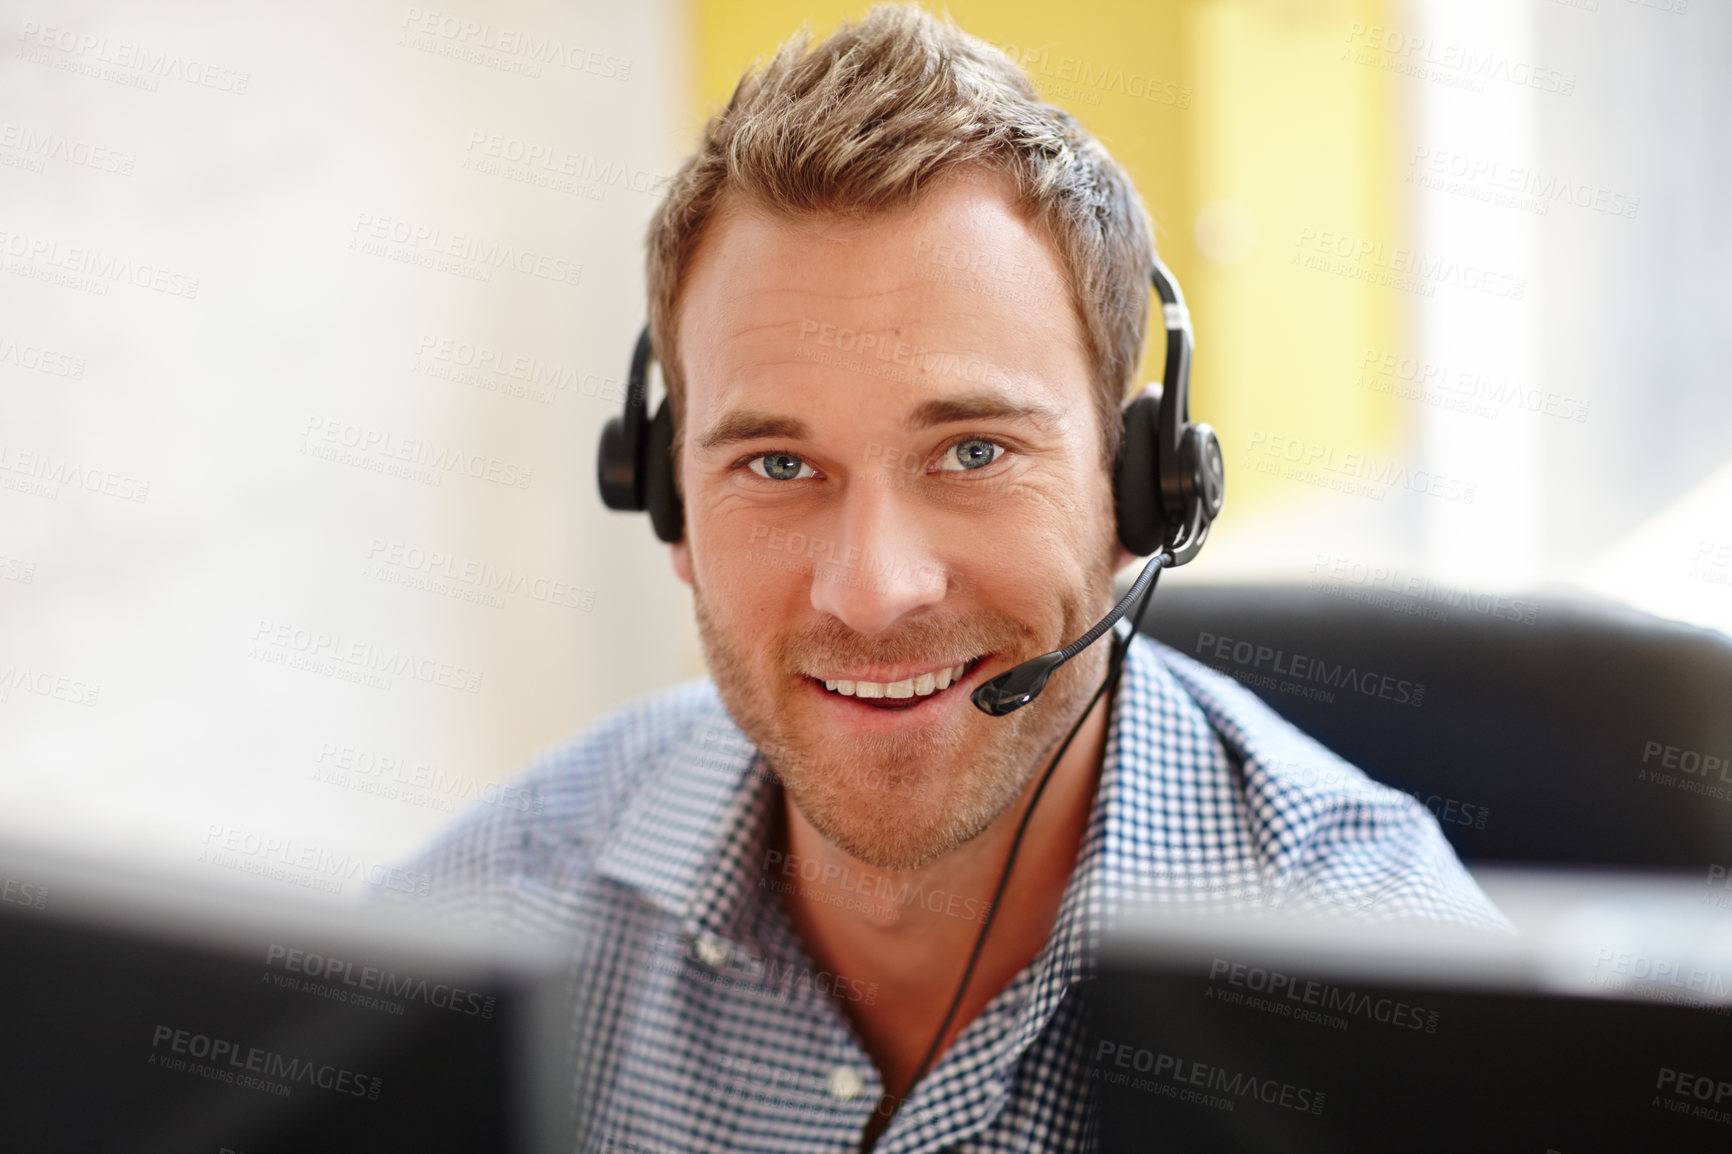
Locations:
680 555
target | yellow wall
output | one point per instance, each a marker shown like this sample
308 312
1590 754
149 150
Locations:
1248 106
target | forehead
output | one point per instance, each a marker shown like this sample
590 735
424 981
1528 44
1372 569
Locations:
959 292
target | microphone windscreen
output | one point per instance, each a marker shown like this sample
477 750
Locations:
1015 688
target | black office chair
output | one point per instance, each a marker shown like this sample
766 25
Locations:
1545 731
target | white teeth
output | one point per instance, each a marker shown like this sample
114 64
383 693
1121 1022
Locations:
921 686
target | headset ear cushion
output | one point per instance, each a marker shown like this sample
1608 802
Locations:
1137 478
667 514
617 469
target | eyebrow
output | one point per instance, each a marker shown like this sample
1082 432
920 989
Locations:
985 406
751 426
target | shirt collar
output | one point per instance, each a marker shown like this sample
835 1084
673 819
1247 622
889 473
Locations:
687 838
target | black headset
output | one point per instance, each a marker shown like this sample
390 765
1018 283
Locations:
1168 481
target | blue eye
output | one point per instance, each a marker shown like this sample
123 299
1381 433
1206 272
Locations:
781 467
973 453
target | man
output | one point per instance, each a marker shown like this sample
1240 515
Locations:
889 297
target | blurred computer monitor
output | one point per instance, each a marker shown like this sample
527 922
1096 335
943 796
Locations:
1603 1024
149 1011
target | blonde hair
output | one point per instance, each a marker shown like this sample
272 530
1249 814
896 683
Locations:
881 109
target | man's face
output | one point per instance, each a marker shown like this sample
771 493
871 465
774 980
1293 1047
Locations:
891 467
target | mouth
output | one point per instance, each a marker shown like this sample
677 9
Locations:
911 692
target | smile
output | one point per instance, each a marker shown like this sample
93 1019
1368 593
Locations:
909 688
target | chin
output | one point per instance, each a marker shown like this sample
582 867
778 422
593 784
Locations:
898 820
897 838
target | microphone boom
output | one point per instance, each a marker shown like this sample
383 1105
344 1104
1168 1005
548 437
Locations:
1015 688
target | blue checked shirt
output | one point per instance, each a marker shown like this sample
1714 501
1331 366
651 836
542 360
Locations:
701 1024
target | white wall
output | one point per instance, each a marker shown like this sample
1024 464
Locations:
197 211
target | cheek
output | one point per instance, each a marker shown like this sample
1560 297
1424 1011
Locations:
1056 562
1026 577
1062 528
754 589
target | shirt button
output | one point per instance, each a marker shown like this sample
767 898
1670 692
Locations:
845 1083
712 952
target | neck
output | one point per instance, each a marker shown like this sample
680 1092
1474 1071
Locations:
911 953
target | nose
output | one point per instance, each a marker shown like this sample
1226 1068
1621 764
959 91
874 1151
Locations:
882 568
